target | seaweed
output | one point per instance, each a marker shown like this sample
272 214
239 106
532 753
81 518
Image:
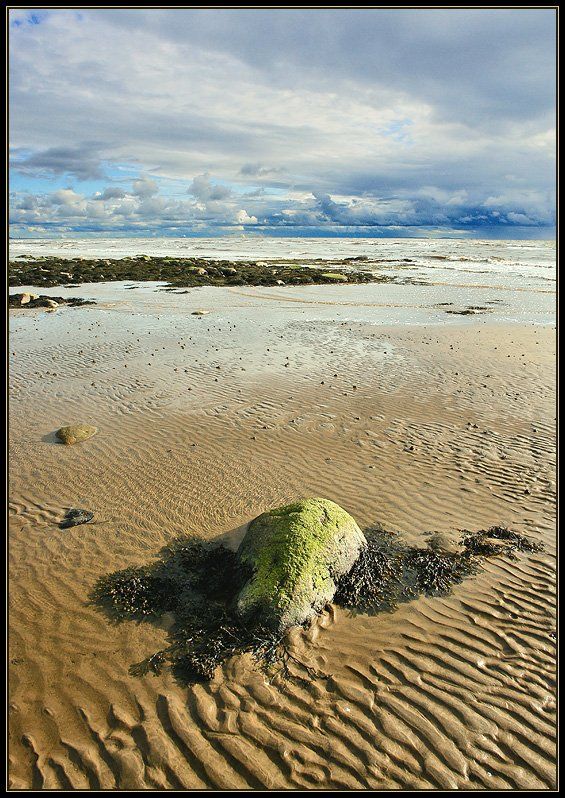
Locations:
15 301
435 572
134 593
374 583
479 544
197 581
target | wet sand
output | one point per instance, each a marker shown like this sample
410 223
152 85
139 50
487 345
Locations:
398 415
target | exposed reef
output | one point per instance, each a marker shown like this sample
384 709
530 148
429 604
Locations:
180 272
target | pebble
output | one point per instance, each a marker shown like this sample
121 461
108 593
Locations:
76 517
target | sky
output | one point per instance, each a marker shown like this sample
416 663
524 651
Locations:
281 122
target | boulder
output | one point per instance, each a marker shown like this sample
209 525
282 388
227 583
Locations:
17 300
74 433
293 557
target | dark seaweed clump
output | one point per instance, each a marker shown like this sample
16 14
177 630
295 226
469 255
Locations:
196 582
479 544
388 572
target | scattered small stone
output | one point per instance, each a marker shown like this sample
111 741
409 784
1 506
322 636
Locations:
76 517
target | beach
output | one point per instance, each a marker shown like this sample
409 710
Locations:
376 396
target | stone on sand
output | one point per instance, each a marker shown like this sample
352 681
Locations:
75 433
295 556
17 300
76 517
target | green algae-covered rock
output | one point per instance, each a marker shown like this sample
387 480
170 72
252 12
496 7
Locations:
295 555
75 433
334 276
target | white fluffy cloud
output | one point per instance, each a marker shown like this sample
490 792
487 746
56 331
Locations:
117 210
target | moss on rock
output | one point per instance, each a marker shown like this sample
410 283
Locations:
296 554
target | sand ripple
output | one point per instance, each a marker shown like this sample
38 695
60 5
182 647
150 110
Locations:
442 432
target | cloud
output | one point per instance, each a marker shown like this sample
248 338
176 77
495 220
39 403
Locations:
114 210
145 187
335 117
65 196
110 193
257 170
82 161
203 189
242 217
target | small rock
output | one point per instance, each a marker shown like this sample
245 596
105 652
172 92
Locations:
75 517
74 433
200 312
443 544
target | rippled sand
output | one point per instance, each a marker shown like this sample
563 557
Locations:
204 422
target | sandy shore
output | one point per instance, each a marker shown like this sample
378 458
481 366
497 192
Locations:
388 407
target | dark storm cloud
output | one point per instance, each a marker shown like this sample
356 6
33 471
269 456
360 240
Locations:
82 161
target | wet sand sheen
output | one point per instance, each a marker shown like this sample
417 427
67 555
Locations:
445 428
